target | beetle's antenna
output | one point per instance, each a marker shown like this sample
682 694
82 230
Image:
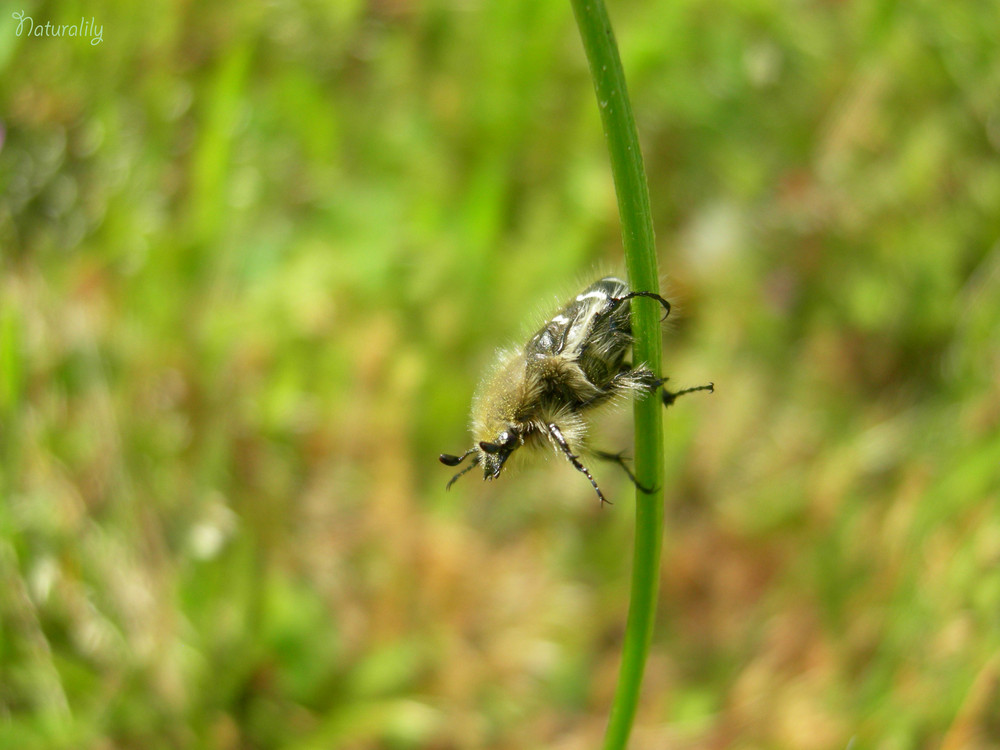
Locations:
449 460
472 465
651 295
557 435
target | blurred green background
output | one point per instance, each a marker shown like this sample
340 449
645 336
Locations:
255 255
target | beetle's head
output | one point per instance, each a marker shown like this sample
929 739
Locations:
493 454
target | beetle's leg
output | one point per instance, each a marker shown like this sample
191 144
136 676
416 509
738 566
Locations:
557 435
619 458
650 295
649 381
670 396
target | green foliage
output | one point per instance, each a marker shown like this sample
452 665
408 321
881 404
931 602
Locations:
252 257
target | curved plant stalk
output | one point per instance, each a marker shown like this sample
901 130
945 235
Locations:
640 257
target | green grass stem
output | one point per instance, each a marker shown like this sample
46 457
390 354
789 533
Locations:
640 257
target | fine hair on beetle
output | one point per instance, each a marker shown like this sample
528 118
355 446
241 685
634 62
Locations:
541 394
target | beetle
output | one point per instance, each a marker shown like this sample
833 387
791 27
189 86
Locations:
539 395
